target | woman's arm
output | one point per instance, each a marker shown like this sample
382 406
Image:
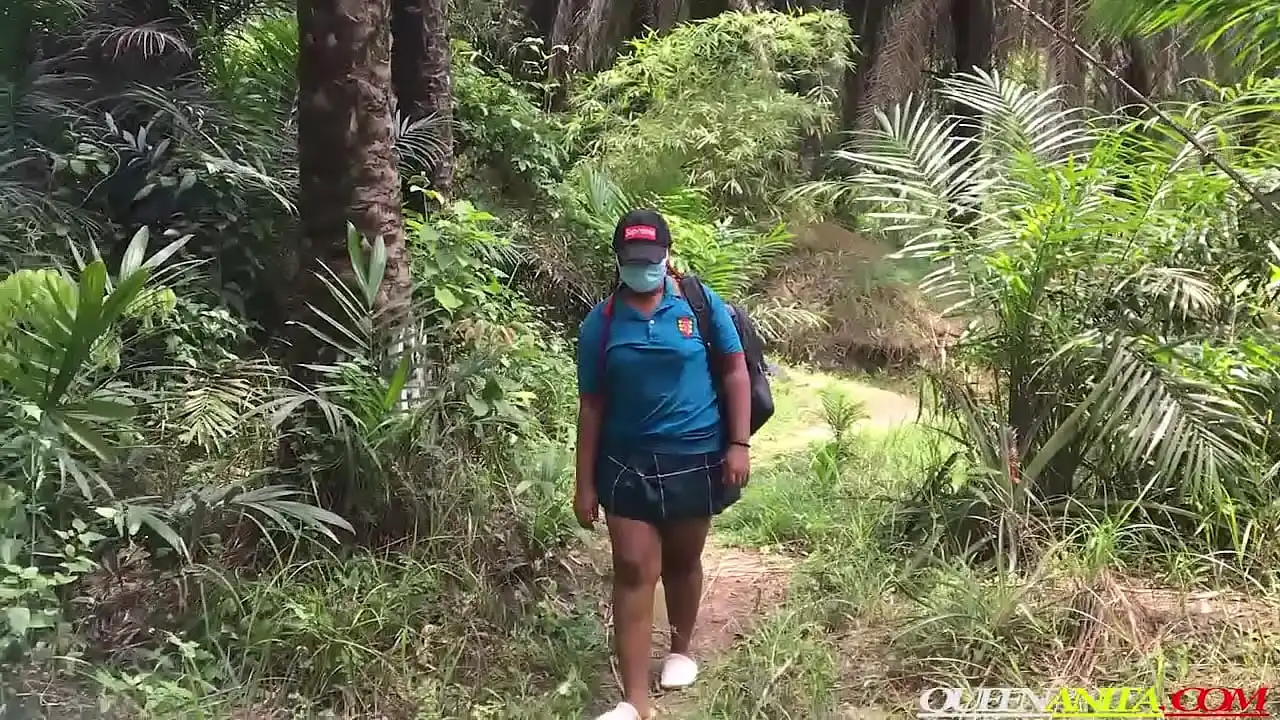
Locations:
590 417
591 395
737 390
736 384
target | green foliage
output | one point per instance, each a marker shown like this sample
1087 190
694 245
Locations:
458 256
67 414
1103 272
504 131
788 665
1247 28
254 67
731 260
722 104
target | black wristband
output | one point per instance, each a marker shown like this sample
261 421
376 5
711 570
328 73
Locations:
740 444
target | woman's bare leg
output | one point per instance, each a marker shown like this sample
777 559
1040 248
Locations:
682 544
637 563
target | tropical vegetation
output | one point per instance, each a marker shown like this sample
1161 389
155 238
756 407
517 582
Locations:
288 301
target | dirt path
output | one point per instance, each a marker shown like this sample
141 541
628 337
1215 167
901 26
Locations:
799 420
740 586
744 586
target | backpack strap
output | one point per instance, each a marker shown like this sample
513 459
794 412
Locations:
695 293
604 335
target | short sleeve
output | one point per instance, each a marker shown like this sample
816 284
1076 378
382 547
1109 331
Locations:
590 333
726 338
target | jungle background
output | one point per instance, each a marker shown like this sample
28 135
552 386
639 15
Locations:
288 304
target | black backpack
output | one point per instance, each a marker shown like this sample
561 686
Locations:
752 348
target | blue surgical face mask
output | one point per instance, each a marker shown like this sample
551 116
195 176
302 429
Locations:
643 278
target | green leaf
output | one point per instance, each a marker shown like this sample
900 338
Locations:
396 386
19 620
103 410
447 299
377 269
140 516
478 406
135 253
167 251
88 437
87 327
354 252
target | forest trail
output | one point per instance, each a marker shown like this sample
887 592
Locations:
743 586
799 420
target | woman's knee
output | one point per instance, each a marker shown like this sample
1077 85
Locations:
636 569
637 552
682 546
680 562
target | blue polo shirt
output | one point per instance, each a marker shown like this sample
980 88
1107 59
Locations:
657 384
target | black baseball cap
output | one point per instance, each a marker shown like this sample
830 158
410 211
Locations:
642 236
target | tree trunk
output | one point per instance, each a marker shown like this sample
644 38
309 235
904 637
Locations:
563 41
706 9
542 14
1136 71
973 25
666 13
421 70
347 163
605 24
1067 68
867 22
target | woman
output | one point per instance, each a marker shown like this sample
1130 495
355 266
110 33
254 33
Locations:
653 448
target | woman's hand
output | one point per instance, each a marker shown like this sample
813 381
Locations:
737 465
586 504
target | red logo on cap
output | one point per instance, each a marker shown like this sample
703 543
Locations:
640 232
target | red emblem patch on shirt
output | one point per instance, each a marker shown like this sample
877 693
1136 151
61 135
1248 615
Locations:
685 324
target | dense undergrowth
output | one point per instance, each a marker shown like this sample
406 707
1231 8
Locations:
197 522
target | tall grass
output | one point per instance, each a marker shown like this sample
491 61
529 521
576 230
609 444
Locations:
1100 602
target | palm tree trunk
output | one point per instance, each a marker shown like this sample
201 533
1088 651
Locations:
666 13
973 24
542 14
1067 68
563 40
347 161
868 20
706 9
421 72
1136 71
605 24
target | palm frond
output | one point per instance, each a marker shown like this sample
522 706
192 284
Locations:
149 41
1249 28
419 143
1019 119
1188 432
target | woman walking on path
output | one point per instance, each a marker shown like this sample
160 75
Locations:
654 449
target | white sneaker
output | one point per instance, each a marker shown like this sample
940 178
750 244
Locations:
678 672
624 711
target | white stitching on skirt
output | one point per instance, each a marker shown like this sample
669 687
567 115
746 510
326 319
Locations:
706 473
613 489
662 495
